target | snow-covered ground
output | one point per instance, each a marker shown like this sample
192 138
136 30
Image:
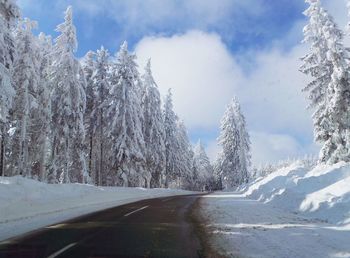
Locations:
294 212
26 204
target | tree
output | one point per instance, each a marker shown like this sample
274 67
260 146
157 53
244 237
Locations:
9 14
88 64
337 145
184 168
124 118
96 68
102 87
153 128
26 78
68 107
204 168
234 160
41 117
171 143
328 91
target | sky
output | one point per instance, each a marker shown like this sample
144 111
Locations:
209 51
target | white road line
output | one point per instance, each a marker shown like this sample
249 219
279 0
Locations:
61 251
136 211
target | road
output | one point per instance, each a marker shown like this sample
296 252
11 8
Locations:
151 228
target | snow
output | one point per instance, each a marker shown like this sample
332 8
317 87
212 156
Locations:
293 212
26 204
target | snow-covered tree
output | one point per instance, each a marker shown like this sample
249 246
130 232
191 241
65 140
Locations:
9 14
327 64
184 169
125 123
337 145
234 161
319 68
102 87
153 128
88 64
68 107
171 141
26 78
205 170
41 117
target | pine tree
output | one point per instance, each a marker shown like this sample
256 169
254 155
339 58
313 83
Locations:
125 123
68 106
319 67
102 87
328 91
184 169
171 143
41 117
336 147
9 14
26 78
153 128
204 168
234 160
88 64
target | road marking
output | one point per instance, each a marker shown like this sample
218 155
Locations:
136 211
61 250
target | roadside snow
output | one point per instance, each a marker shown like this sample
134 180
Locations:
322 193
293 212
241 227
26 204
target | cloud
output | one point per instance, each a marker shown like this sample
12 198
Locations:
268 147
271 95
199 68
205 76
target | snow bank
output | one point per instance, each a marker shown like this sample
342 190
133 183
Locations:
27 204
321 193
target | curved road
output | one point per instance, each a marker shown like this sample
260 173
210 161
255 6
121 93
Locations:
151 228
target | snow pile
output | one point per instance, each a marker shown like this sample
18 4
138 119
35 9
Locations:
27 204
322 192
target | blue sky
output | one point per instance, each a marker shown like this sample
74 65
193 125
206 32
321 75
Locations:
209 51
243 26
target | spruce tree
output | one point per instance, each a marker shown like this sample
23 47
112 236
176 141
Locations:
125 123
327 64
184 169
9 14
204 168
68 107
26 78
153 128
234 160
172 147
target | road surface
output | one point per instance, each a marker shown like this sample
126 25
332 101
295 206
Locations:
151 228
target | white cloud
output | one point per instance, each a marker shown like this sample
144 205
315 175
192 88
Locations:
268 147
199 68
271 95
205 76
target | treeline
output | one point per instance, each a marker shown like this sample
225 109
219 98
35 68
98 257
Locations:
93 121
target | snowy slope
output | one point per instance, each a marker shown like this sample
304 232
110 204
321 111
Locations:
322 193
27 204
293 212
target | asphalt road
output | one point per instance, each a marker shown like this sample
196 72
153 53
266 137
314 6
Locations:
151 228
